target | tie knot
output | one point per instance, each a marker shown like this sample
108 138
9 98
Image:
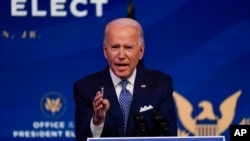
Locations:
124 84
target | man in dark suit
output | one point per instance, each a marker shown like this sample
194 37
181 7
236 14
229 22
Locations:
99 97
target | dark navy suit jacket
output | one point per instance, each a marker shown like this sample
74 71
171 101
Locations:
151 88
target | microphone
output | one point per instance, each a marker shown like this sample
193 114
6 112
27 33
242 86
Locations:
141 124
160 122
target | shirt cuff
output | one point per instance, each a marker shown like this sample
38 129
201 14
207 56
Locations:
96 130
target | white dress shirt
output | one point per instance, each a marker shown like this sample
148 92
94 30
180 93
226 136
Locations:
97 130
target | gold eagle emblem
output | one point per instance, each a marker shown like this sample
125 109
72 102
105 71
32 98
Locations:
53 105
227 109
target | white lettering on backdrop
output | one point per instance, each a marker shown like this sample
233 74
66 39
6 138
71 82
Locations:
57 8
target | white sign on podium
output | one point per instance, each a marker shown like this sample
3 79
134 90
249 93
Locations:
190 138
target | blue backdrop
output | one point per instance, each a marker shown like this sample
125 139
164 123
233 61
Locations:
46 45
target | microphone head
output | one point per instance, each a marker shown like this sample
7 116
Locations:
138 117
156 117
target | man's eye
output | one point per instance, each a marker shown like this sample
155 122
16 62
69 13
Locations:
115 46
128 47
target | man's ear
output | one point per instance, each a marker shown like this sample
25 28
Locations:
105 51
141 51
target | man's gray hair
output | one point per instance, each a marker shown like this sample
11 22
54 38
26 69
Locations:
122 22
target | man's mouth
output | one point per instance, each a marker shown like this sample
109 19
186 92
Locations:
121 65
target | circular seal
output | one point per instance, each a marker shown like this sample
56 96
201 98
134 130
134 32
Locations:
53 105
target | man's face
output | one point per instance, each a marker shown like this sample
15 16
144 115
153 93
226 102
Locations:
123 50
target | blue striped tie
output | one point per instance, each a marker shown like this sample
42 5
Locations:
125 100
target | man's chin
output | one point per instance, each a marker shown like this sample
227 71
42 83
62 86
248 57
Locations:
122 74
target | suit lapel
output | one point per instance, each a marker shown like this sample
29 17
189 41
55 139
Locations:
141 88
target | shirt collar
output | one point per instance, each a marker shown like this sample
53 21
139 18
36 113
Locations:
116 80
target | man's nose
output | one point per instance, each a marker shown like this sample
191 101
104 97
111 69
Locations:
121 53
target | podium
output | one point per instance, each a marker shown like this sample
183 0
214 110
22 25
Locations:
189 138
